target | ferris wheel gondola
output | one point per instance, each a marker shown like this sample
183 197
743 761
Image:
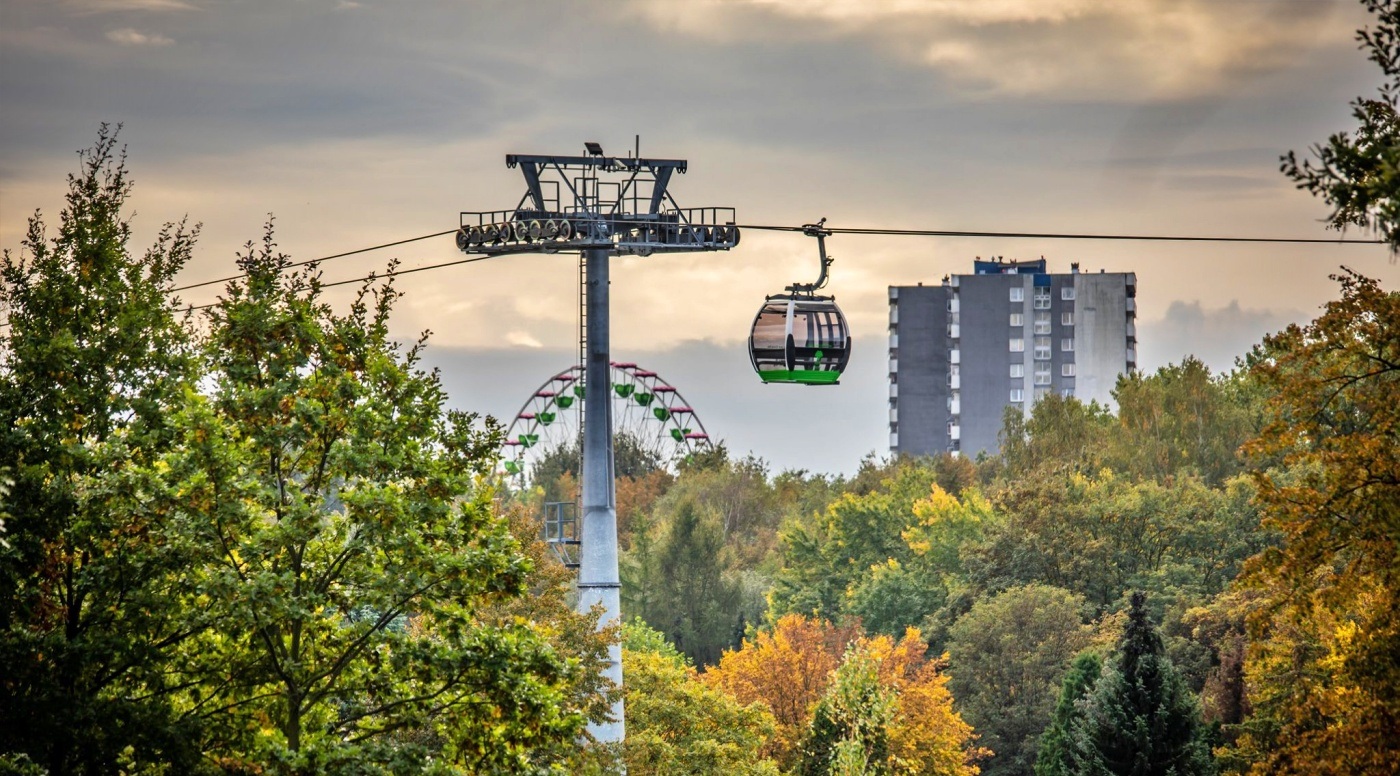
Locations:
799 336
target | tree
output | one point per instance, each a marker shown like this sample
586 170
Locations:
849 734
1180 420
1140 720
1322 671
787 669
1102 535
678 724
926 737
1357 175
355 550
1054 757
895 595
1061 433
1008 656
93 580
548 604
683 589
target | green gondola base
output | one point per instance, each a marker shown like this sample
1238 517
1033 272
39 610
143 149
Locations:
800 376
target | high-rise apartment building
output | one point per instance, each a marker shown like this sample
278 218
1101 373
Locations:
1006 335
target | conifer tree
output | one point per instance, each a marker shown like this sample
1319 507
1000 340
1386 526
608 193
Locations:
1140 719
1054 757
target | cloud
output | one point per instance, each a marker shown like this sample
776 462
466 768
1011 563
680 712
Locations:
129 37
523 339
1078 49
115 6
1217 337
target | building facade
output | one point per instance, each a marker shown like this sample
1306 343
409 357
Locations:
1004 336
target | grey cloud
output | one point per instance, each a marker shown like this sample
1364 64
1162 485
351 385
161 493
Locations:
1217 337
127 36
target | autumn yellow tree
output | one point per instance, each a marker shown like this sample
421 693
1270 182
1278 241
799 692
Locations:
787 668
791 668
1323 672
926 736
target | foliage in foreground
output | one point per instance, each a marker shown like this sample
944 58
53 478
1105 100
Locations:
677 724
263 548
94 600
1323 668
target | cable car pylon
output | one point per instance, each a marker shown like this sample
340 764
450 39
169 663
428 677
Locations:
569 206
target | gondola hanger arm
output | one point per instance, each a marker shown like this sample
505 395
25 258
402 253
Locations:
819 231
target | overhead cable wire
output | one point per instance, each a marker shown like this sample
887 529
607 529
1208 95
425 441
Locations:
833 230
377 275
1062 235
316 261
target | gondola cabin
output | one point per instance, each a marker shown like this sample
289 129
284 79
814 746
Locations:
799 338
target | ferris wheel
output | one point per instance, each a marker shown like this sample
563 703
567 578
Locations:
647 410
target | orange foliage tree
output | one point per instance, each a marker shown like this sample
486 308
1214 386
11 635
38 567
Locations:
790 668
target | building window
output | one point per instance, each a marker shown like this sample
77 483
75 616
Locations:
1042 348
1041 393
1017 395
1042 377
1018 370
1018 294
1067 345
1042 301
1067 293
1067 370
1042 323
1017 320
1018 345
1068 393
1066 319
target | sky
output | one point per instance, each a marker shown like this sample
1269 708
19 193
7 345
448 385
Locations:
359 123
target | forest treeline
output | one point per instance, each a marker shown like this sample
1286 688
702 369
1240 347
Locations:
1235 531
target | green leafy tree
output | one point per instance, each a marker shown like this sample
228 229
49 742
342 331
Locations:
824 555
895 595
677 724
1061 434
1356 174
680 587
1180 420
1104 535
1007 659
355 551
849 733
93 580
1054 757
1140 720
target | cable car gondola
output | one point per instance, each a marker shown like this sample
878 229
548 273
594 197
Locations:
800 336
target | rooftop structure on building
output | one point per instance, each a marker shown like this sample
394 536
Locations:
1010 333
